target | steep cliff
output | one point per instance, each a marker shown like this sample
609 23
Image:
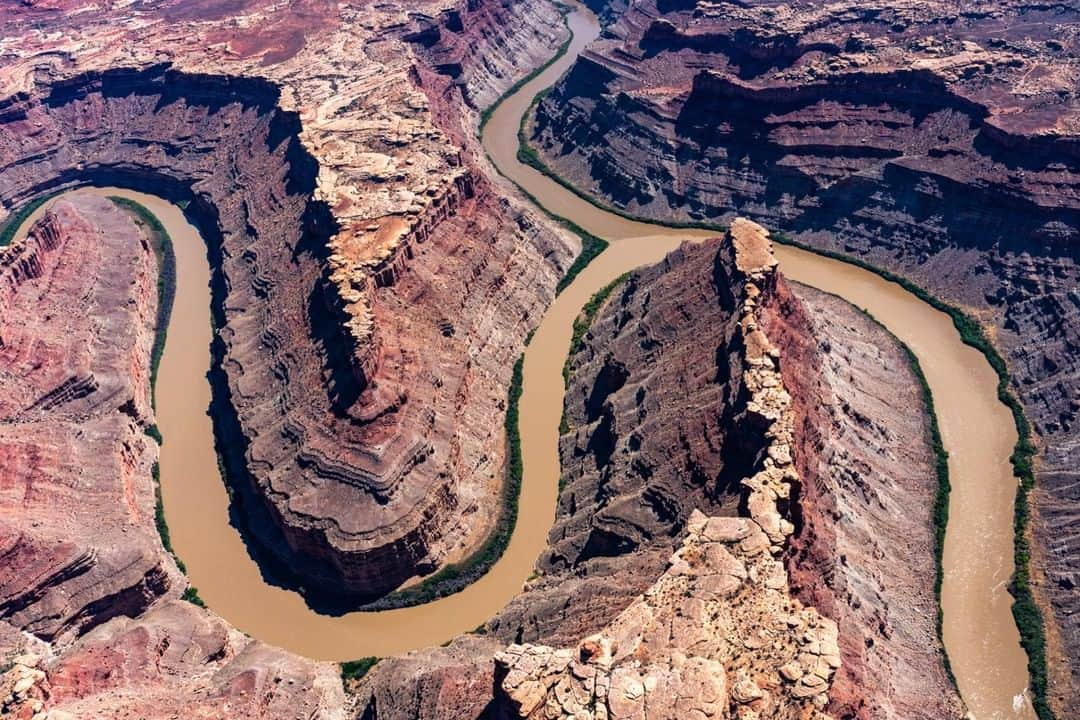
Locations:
930 139
864 550
354 335
72 435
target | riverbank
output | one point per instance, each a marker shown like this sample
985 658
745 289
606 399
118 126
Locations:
161 245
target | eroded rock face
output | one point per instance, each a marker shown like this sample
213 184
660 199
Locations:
363 362
684 612
933 140
89 621
719 633
180 661
863 553
72 435
657 427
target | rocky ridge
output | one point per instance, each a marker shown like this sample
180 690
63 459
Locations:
930 139
624 612
718 634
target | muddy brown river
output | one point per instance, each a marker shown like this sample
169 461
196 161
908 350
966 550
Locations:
980 636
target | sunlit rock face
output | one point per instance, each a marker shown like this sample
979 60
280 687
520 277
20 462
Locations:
933 140
371 292
90 620
717 421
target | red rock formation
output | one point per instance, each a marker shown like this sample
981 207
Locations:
863 453
666 414
89 621
72 443
325 186
932 139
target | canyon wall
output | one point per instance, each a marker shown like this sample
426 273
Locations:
90 620
864 548
929 139
370 292
364 349
666 578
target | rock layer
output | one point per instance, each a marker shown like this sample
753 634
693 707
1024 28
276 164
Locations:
72 436
674 612
929 139
365 347
89 621
864 549
718 634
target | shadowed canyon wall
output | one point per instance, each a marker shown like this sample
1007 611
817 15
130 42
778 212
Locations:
936 141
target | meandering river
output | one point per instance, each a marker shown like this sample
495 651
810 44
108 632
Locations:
977 429
980 636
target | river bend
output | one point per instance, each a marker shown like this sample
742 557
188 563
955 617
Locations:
979 633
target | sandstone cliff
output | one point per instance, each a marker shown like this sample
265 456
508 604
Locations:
931 139
365 346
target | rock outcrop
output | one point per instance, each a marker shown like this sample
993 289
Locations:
931 139
864 550
90 623
364 348
74 403
675 610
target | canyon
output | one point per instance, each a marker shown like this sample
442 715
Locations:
934 141
745 476
92 620
671 578
309 297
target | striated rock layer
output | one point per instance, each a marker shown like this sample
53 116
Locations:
864 551
90 624
935 140
71 441
663 609
718 634
371 291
